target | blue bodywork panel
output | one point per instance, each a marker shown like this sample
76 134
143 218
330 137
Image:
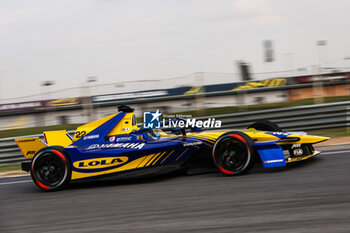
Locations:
130 147
271 154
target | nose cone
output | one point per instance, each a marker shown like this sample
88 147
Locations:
312 139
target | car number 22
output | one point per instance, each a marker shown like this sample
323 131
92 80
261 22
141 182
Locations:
79 134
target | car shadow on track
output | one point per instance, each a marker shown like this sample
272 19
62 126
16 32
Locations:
116 181
258 169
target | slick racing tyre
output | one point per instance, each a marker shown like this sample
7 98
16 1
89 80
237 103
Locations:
51 169
234 153
265 125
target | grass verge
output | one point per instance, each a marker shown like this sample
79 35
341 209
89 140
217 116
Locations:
10 168
333 133
35 130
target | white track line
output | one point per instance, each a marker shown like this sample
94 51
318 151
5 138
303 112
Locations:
340 144
12 176
335 152
16 182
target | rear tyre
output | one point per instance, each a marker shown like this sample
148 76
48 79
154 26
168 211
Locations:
51 169
265 125
233 153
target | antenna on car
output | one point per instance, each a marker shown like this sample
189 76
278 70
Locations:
125 108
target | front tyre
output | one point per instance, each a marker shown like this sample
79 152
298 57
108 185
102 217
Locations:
51 169
233 153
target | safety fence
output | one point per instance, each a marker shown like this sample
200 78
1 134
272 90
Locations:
300 118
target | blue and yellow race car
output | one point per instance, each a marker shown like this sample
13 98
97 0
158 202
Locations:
115 145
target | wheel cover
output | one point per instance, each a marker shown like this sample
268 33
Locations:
232 155
49 169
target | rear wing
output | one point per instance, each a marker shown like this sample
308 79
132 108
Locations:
57 138
30 146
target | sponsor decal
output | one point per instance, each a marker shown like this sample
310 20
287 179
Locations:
63 102
100 162
125 129
134 95
264 83
273 161
111 139
193 143
116 145
194 90
121 139
91 136
31 152
298 152
279 134
22 105
27 140
296 145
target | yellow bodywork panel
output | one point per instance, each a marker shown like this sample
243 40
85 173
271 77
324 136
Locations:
260 136
124 126
57 138
309 138
30 146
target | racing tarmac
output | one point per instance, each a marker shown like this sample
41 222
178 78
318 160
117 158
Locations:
310 196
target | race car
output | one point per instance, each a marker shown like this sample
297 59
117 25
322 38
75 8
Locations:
115 145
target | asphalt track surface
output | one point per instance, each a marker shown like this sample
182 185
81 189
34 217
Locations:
310 196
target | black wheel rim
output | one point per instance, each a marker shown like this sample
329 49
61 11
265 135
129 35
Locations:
49 169
232 154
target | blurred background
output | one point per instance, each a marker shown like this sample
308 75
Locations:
65 63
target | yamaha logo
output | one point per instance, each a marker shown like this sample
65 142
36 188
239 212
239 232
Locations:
116 145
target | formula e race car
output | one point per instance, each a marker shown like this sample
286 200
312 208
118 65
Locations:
115 145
